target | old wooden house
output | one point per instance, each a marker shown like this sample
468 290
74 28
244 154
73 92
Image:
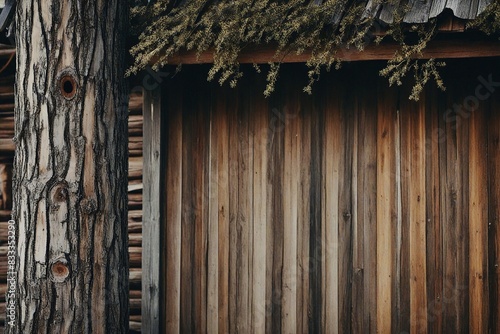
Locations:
352 209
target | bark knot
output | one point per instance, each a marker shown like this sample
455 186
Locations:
68 87
88 205
67 84
60 269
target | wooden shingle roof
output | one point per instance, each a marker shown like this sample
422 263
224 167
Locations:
421 11
417 11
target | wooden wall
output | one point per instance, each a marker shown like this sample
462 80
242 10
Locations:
354 210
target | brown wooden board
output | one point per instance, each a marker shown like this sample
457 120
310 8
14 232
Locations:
352 210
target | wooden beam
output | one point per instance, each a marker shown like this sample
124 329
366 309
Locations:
435 49
152 213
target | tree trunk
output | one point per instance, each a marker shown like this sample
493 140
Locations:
70 169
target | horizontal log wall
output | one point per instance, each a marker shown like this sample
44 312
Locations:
354 210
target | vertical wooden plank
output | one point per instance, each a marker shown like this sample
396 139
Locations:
345 206
233 211
448 199
174 218
454 215
478 224
243 222
385 203
260 124
290 197
276 168
418 279
400 244
404 151
187 221
151 212
250 197
434 135
462 233
330 218
270 296
357 226
223 207
304 265
199 186
367 205
215 129
494 211
316 221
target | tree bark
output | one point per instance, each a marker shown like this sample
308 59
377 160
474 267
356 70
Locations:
70 168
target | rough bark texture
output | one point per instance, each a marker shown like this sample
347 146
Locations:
70 170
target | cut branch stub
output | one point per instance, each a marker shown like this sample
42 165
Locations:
60 193
68 86
59 269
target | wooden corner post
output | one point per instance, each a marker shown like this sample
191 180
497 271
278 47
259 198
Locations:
152 217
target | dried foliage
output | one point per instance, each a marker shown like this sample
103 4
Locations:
228 26
489 21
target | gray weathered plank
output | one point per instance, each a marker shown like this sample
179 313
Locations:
151 212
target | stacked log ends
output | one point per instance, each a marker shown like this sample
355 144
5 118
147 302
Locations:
5 186
135 208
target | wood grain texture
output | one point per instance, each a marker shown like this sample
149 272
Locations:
354 210
174 218
434 104
385 51
244 214
345 207
493 128
330 216
213 224
449 196
385 210
222 129
478 229
304 224
418 222
291 179
259 263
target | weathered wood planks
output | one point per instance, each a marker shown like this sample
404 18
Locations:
353 210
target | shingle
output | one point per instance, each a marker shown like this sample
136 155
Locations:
386 13
419 11
437 8
372 9
464 9
482 6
